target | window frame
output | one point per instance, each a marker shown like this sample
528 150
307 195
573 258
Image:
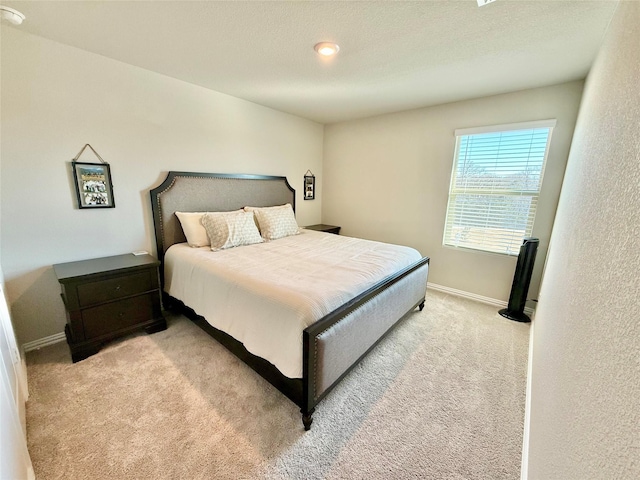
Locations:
535 194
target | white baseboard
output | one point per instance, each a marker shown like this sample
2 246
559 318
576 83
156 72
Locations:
472 296
524 468
44 342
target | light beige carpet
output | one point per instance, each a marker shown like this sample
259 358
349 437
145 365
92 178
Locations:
441 397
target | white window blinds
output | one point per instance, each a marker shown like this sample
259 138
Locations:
495 184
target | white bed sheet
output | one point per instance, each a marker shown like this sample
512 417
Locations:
265 295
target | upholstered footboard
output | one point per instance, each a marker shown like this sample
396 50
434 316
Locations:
337 342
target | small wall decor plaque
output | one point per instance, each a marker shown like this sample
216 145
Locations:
309 185
93 182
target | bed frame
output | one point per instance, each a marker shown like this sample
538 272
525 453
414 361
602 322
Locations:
333 345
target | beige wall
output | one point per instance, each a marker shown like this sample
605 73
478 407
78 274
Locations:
387 178
55 99
585 382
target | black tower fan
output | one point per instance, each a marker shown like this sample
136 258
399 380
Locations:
521 281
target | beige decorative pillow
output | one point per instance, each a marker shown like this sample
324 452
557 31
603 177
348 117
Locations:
193 229
275 222
230 229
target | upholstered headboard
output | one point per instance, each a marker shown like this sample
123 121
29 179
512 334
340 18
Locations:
210 192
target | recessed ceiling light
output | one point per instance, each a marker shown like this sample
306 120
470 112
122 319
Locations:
11 15
326 49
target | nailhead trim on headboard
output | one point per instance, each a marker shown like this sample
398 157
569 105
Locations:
276 192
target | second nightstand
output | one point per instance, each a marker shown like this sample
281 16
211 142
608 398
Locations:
321 227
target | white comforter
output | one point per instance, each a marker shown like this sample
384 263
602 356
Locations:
265 295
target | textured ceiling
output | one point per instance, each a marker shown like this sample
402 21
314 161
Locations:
394 55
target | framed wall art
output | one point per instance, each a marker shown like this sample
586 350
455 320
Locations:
93 185
309 185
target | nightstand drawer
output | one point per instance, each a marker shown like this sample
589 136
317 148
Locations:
114 316
113 288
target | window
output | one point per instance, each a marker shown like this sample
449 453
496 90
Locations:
495 184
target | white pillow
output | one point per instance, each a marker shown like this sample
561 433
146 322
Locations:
275 222
193 229
230 229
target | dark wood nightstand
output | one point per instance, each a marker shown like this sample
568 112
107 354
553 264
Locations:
321 227
109 297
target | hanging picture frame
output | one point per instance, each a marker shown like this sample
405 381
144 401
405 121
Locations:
93 185
93 182
309 185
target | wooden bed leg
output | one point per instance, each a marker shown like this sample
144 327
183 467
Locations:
306 418
421 306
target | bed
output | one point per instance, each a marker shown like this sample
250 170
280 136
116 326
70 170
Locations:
247 299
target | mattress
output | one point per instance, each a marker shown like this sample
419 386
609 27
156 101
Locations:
265 295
